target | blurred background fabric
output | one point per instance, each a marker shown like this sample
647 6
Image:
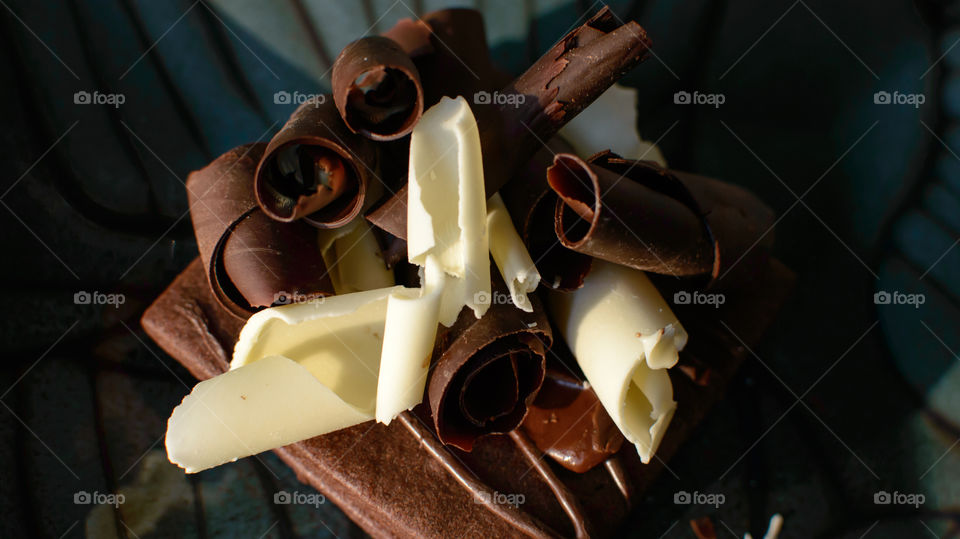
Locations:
840 115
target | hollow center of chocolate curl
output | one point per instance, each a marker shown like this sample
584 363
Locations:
574 185
492 391
307 179
381 101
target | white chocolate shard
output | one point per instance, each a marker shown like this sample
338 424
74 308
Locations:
353 258
510 254
269 403
298 371
446 205
409 336
610 123
624 337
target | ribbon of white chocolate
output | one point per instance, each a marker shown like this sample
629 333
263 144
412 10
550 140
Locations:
510 254
446 205
298 371
624 337
447 237
601 126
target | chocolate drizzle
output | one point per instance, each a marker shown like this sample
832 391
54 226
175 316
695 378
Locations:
563 495
524 522
619 475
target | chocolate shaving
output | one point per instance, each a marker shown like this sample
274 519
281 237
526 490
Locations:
639 214
377 89
251 260
487 371
316 169
530 110
605 216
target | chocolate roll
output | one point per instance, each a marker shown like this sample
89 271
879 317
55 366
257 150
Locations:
377 89
639 214
531 109
487 371
399 481
316 169
251 261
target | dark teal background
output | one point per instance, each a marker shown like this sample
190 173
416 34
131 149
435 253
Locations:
93 200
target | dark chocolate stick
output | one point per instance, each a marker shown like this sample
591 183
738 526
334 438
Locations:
316 169
530 110
639 214
250 259
487 371
377 89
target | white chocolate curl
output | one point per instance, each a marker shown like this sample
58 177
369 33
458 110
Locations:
447 237
609 123
446 205
510 254
624 337
298 371
410 332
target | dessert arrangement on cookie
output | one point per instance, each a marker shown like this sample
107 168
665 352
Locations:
441 296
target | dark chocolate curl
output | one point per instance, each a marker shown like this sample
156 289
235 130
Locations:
316 169
606 216
530 110
567 422
487 371
737 227
251 260
377 89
